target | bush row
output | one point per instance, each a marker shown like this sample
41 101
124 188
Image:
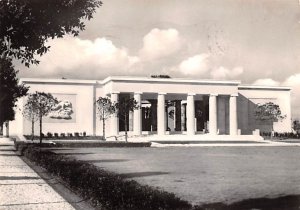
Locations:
67 136
281 135
105 189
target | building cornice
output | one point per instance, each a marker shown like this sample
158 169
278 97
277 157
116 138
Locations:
167 80
261 87
56 81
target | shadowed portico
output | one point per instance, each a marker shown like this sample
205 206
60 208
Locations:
171 113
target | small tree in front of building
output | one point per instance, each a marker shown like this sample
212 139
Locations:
123 107
269 112
30 112
296 126
40 104
105 110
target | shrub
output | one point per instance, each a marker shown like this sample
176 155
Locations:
49 135
56 135
76 134
105 189
62 135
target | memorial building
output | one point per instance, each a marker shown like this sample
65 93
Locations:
169 106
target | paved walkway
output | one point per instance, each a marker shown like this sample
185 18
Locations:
21 187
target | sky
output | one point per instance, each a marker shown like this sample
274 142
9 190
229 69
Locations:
254 41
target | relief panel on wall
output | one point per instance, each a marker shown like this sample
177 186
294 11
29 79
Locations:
64 111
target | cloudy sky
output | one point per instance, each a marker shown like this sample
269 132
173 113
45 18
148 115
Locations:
255 41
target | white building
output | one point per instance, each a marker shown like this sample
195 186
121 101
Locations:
197 108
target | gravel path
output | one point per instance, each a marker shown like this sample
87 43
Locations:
21 188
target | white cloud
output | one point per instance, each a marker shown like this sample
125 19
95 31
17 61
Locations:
266 82
195 65
160 43
292 81
224 73
71 54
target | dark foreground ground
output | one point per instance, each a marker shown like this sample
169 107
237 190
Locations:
205 174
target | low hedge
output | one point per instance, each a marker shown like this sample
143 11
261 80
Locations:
105 189
86 144
285 135
53 137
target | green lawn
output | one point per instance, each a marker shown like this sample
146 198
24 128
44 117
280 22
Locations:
205 174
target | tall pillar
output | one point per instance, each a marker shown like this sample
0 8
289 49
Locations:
137 115
190 114
213 114
130 121
183 117
114 121
161 125
233 126
153 115
177 113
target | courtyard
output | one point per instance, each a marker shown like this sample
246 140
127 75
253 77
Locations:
203 174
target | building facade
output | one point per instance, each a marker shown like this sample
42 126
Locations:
168 106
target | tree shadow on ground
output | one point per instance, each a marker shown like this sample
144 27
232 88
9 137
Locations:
75 153
18 177
142 174
289 202
9 155
106 160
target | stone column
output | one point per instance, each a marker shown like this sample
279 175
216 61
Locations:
137 115
190 113
114 121
233 127
161 124
183 117
130 123
213 114
153 115
177 116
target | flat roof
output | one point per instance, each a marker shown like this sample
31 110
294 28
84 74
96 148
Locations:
168 80
60 81
262 87
154 80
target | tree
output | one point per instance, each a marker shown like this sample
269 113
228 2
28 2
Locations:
10 91
268 111
30 112
105 110
41 104
123 107
26 25
296 126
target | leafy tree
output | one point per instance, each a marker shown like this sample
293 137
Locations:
105 110
296 125
10 91
268 113
26 25
31 113
41 104
123 107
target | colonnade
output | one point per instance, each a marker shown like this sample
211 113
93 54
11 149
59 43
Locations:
190 114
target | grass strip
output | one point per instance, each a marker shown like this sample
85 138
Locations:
105 189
